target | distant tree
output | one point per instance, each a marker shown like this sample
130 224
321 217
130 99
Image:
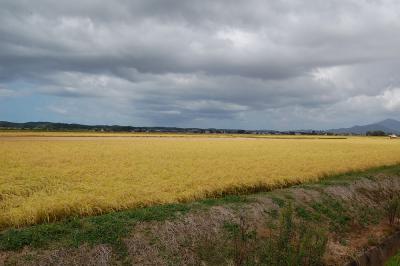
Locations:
376 133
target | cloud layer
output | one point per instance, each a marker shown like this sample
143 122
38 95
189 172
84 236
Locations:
248 64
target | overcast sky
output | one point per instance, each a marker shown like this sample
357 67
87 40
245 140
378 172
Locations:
226 64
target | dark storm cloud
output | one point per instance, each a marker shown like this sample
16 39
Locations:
182 62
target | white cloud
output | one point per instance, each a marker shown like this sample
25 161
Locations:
391 99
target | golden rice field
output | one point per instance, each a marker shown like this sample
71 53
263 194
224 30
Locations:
13 133
44 179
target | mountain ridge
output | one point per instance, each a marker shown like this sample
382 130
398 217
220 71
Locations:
389 126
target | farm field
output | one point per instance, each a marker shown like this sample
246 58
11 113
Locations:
29 134
46 178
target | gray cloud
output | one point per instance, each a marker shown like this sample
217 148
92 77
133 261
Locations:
252 64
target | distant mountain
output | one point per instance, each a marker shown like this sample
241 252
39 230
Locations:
387 126
391 124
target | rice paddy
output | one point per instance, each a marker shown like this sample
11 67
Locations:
46 178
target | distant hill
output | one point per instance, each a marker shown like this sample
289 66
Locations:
60 126
50 126
387 126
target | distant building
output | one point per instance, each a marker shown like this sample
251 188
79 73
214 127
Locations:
393 136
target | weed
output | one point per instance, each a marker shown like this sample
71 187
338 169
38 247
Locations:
303 213
394 261
392 209
334 211
213 250
278 201
290 243
294 244
372 241
367 215
224 200
273 213
243 241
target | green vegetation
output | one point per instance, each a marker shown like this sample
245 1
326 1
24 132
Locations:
368 215
334 211
294 243
291 243
392 209
223 200
278 201
394 261
105 229
305 214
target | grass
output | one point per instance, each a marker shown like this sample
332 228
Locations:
304 213
278 201
105 229
292 242
394 261
223 200
334 211
45 180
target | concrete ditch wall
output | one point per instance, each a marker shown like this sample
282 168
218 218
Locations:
377 256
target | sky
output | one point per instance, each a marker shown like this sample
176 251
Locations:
250 64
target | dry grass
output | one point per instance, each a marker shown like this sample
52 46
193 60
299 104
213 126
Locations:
45 179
